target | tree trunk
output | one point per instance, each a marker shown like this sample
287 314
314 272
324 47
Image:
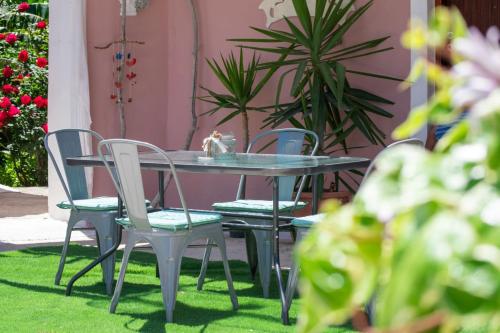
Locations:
121 72
194 86
246 131
196 46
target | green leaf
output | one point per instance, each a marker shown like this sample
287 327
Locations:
375 75
304 15
298 79
340 72
229 117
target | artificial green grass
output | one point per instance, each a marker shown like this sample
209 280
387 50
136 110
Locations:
30 302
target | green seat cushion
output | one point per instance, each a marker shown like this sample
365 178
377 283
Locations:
174 220
307 221
259 206
98 204
94 204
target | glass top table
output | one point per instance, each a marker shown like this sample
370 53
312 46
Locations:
267 165
240 164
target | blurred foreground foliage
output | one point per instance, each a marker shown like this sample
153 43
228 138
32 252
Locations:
421 239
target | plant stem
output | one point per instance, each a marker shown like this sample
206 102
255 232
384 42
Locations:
121 72
196 46
246 131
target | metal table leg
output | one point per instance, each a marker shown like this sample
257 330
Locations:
100 259
315 194
161 190
276 250
161 193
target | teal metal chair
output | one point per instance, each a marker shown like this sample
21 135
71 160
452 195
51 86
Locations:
168 231
288 141
101 212
303 224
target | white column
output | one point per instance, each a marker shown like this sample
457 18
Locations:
68 80
420 10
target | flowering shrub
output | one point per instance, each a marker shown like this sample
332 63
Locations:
23 94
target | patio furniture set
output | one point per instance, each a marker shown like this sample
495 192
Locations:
171 230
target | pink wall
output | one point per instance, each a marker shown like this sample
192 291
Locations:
160 109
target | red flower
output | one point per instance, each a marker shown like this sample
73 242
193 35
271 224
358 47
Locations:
3 116
13 111
25 99
45 128
23 7
7 72
41 25
5 103
41 102
2 36
42 62
20 77
11 38
23 56
8 89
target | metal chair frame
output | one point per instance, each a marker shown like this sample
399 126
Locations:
74 183
259 243
167 245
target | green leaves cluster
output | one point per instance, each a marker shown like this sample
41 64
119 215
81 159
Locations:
312 54
310 57
421 239
240 81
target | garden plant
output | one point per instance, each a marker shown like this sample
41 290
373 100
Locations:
311 60
420 242
23 95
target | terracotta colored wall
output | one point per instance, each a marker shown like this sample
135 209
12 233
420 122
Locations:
160 110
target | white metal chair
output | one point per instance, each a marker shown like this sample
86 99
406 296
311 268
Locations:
101 212
288 141
168 231
303 224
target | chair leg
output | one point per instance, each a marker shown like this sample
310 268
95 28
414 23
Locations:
291 285
251 247
204 265
218 238
168 253
131 240
107 231
71 223
265 257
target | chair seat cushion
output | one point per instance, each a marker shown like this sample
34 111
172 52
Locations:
98 204
175 220
259 206
94 204
307 221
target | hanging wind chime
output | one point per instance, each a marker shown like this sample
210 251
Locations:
130 75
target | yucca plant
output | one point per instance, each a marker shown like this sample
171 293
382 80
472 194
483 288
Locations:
323 98
241 85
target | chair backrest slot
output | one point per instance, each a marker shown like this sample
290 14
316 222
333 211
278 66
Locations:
70 145
287 141
127 177
126 161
